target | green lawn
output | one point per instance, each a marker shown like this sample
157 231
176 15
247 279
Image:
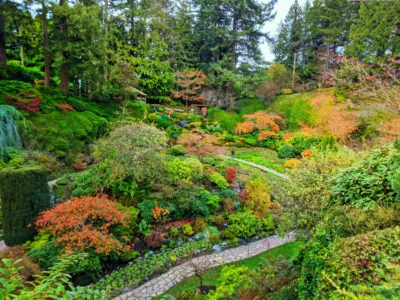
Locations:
261 156
289 251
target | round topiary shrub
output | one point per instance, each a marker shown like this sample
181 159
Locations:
24 193
286 152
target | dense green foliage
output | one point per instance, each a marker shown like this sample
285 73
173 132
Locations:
24 193
368 183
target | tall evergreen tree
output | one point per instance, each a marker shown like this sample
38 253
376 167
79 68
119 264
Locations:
288 44
376 30
231 30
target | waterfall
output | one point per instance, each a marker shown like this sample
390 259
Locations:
9 135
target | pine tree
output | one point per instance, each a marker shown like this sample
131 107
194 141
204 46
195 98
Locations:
376 31
291 38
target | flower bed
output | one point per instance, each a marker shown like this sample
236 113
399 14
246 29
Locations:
145 268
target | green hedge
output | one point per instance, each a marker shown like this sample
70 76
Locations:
24 193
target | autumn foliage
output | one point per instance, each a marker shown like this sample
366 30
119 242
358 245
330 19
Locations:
230 174
84 223
332 118
199 143
160 214
267 123
189 85
256 197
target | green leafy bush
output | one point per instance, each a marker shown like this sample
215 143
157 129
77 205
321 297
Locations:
187 230
267 223
367 183
286 152
368 260
243 224
219 180
177 150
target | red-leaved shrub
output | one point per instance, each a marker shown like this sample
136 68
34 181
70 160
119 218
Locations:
230 174
154 240
85 223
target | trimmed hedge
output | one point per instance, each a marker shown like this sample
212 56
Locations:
24 193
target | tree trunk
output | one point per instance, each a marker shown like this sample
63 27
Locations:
64 54
47 62
3 56
294 70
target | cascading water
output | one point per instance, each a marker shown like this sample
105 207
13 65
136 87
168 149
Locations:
9 135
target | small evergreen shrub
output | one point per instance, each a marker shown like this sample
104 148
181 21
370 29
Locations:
243 224
187 230
219 180
24 193
286 152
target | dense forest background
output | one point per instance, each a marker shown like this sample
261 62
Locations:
112 49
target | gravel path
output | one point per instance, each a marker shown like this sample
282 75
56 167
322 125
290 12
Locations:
163 283
265 169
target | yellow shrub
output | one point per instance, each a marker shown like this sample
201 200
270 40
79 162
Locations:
293 163
286 91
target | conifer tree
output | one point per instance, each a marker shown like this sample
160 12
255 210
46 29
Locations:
376 30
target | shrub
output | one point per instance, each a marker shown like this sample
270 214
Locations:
27 267
367 183
85 223
286 91
187 229
243 224
230 174
219 221
307 153
24 193
268 91
257 197
219 180
286 152
154 240
200 225
133 151
179 172
232 279
292 163
177 150
160 214
214 239
174 232
365 260
267 222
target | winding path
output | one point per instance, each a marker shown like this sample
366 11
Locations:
163 283
265 169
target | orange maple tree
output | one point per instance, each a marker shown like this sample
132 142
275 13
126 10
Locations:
189 85
85 223
262 121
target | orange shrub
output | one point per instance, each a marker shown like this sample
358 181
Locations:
245 127
160 214
287 136
264 135
390 129
292 163
85 223
307 154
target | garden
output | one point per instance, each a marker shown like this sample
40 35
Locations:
140 139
